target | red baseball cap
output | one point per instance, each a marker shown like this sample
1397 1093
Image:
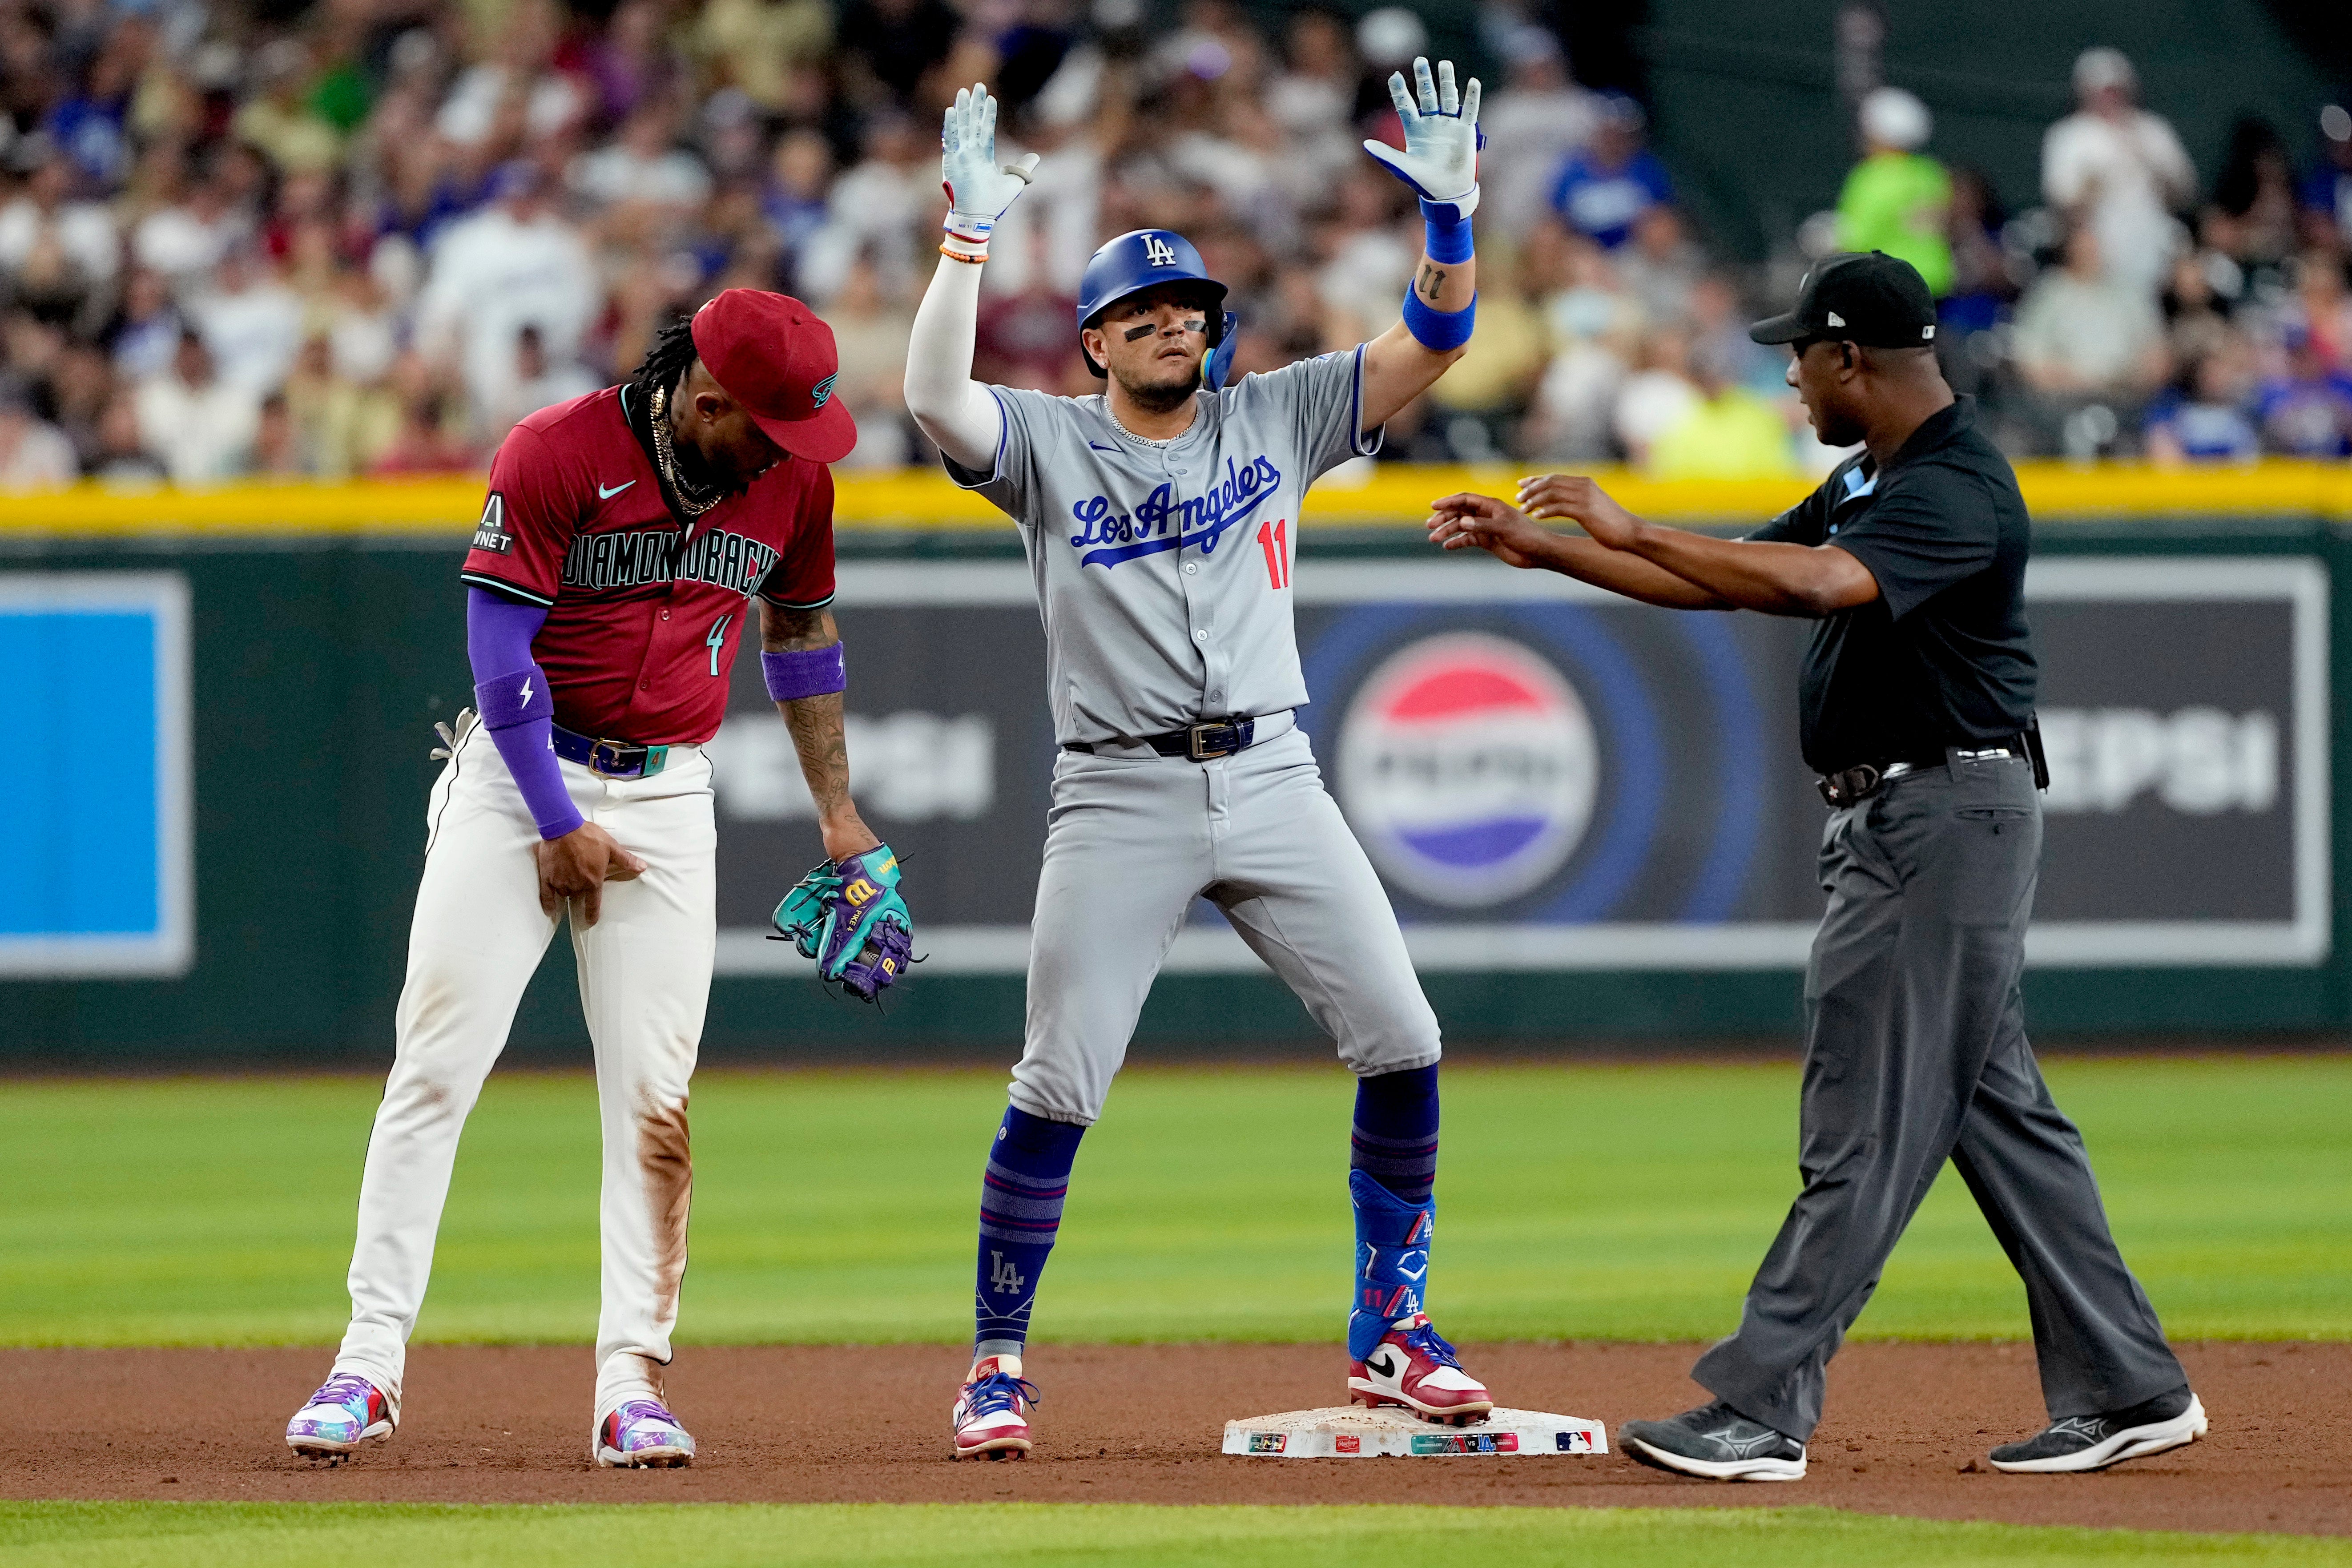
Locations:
777 359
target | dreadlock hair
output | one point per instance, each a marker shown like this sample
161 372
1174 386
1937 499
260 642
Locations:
670 358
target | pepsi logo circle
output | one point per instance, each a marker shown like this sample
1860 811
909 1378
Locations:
1468 767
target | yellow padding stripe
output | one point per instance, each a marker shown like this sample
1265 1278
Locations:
1393 496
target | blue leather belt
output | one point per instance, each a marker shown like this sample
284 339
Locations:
610 758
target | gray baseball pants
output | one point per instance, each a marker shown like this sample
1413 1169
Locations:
1131 841
1915 1052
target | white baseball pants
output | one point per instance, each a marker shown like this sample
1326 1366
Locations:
1131 841
644 982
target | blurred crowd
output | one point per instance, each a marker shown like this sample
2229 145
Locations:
366 237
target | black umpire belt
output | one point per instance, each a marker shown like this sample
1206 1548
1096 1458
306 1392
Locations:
610 758
1850 786
1201 743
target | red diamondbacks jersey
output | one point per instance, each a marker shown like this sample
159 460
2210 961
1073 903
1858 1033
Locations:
643 615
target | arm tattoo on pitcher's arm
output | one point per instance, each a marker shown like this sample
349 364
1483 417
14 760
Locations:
1433 278
814 723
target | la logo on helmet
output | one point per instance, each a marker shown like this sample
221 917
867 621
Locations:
1158 251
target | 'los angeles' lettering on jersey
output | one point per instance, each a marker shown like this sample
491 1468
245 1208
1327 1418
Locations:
1171 628
1200 522
598 562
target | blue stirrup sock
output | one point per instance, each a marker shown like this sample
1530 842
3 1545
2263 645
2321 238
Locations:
1021 1199
1394 1161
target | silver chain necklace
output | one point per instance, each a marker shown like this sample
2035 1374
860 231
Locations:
1159 442
691 501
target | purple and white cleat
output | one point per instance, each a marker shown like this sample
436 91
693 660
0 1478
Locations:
347 1411
642 1435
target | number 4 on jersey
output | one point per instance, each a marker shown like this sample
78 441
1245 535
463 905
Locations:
1274 538
717 640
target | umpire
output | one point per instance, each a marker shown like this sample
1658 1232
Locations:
1916 707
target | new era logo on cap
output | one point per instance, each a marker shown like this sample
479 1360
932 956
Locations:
1868 298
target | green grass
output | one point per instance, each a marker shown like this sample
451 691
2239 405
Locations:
300 1535
1585 1202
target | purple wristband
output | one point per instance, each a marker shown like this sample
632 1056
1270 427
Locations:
521 717
804 672
516 698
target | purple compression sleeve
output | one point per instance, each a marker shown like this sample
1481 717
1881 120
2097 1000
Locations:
510 692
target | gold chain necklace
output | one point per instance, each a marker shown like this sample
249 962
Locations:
691 502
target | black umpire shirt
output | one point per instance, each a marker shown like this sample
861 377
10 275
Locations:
1942 657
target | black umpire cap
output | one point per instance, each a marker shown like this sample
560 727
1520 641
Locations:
1859 297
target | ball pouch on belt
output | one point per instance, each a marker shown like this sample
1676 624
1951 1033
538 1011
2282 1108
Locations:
1392 1260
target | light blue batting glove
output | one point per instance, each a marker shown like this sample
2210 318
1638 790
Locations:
1442 138
980 189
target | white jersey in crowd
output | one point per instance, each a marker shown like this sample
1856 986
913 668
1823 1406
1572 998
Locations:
1163 568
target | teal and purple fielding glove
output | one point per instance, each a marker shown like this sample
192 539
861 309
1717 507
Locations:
847 915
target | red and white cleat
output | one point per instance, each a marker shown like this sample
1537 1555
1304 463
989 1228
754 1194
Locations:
992 1410
1414 1367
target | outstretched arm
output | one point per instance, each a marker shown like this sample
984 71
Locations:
1440 161
801 653
1471 521
959 415
1669 566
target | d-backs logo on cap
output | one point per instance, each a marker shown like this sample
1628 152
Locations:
1158 251
823 390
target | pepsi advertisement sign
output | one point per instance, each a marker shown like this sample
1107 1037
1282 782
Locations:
1467 765
1549 777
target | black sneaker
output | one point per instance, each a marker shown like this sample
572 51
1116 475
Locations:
2094 1442
1716 1443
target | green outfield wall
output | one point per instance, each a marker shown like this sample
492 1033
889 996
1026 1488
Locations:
2199 894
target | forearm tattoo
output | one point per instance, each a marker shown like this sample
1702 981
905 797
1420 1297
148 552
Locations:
1433 278
815 721
817 731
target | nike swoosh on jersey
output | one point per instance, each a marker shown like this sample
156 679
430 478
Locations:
1098 447
603 494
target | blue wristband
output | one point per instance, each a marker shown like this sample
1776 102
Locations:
1441 330
804 672
1449 233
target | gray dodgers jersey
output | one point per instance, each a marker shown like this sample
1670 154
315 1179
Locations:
1163 573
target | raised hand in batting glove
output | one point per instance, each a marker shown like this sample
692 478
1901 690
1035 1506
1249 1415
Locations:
847 915
1442 138
979 188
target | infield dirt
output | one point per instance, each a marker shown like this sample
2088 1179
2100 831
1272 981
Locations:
1907 1428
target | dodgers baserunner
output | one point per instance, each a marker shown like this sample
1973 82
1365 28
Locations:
1160 519
628 536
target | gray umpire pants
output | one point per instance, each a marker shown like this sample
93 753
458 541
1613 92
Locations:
1915 1052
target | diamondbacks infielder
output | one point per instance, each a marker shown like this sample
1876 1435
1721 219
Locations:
1160 521
628 536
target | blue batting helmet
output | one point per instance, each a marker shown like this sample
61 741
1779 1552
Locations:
1144 258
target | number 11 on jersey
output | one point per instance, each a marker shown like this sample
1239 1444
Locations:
1274 538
